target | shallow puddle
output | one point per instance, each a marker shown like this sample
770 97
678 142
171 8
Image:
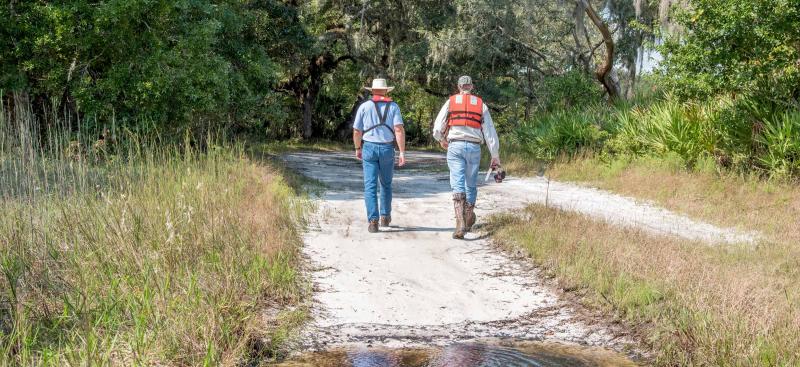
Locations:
466 355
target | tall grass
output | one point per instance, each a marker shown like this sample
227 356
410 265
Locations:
137 253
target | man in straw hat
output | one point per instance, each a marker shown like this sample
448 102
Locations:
376 127
463 124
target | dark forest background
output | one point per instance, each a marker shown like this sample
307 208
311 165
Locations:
560 76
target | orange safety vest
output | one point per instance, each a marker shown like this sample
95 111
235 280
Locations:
465 110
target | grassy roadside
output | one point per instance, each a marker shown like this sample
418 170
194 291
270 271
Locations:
692 304
771 207
736 305
166 257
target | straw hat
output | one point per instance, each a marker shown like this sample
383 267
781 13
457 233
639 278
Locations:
379 84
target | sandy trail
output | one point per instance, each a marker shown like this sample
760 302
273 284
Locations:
412 284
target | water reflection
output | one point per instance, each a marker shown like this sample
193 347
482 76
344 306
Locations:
467 355
372 358
490 356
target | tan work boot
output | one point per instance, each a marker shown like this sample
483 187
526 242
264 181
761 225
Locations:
459 201
386 220
373 226
469 216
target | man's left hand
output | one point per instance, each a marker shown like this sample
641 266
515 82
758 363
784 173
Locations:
402 160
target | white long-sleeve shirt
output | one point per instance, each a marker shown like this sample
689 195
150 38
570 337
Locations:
486 133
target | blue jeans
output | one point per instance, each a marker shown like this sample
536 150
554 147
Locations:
464 159
378 162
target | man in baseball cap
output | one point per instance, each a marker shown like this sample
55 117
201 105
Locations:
463 124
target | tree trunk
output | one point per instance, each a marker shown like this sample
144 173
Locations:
632 70
308 115
603 71
578 32
310 96
317 68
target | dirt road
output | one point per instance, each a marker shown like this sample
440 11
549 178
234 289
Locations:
412 284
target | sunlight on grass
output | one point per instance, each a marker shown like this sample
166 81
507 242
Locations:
746 202
141 254
694 304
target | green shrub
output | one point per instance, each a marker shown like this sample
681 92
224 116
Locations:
175 64
571 89
668 127
780 138
719 133
563 132
737 47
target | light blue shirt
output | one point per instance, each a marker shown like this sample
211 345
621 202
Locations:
367 117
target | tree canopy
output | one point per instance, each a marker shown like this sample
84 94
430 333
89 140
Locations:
296 68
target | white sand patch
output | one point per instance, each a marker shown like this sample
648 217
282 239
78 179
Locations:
412 284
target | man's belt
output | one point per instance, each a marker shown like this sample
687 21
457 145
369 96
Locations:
464 140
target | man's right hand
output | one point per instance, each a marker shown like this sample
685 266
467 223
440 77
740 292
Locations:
495 162
358 153
443 144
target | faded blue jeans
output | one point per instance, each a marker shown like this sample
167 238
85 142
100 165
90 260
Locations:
378 162
464 159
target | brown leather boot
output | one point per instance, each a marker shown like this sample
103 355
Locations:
373 226
459 201
386 220
469 216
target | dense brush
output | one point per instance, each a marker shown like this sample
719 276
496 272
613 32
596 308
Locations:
732 134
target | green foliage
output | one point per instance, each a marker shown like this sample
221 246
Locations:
419 109
174 63
292 69
667 127
719 130
739 135
739 47
573 88
780 139
563 133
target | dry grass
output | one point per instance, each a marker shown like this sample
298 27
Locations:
173 269
152 255
694 304
772 207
